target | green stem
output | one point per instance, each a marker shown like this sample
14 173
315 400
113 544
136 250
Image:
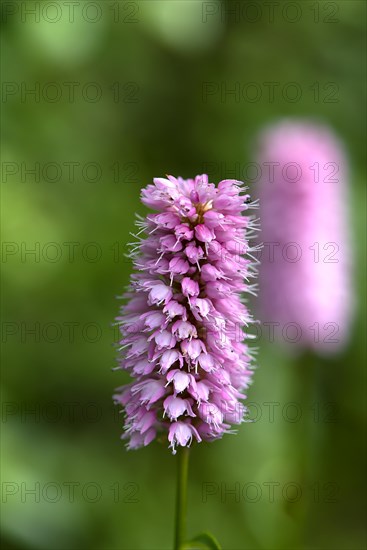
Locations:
181 497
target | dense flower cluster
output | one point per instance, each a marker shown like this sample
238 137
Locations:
182 338
306 259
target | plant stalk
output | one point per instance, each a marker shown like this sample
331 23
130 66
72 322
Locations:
181 496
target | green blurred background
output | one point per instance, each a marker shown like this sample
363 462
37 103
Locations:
123 92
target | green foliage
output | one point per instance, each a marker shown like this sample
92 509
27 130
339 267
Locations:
204 541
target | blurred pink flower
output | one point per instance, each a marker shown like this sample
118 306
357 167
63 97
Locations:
305 282
179 342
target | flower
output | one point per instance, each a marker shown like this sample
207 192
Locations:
179 341
305 290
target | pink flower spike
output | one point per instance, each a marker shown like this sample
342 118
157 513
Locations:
305 268
188 359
